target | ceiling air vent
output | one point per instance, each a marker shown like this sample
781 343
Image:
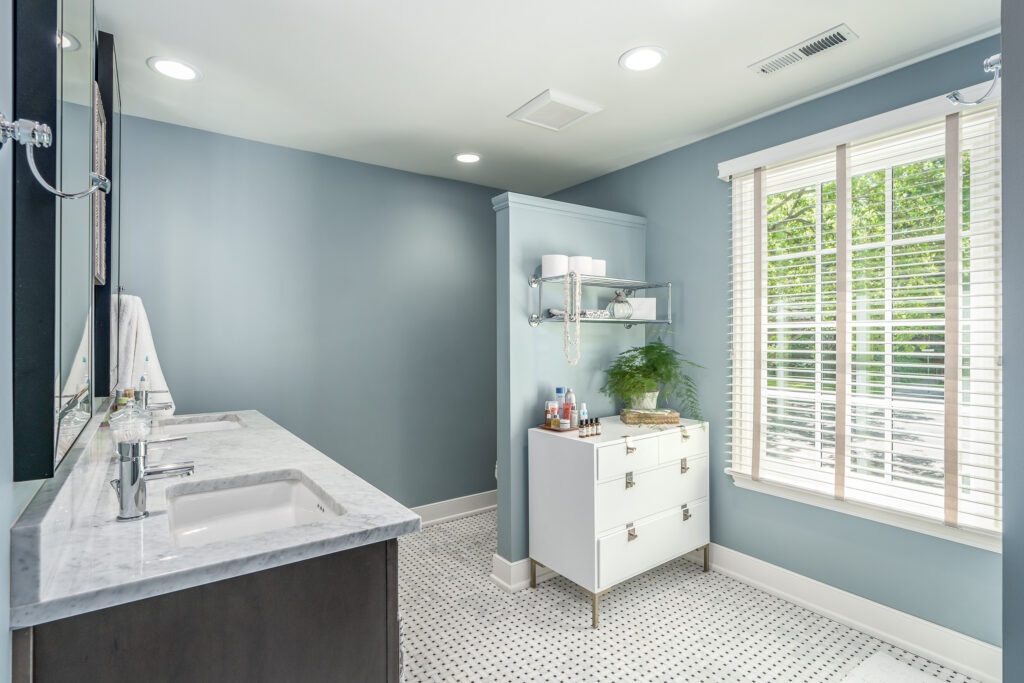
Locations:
554 110
834 37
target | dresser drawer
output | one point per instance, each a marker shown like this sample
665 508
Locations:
617 459
652 491
656 540
672 446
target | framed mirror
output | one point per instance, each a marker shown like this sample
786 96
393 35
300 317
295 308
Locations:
64 273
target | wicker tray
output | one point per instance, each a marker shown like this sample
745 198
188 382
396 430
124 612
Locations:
662 416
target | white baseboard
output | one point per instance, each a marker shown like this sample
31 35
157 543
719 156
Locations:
515 576
975 658
447 510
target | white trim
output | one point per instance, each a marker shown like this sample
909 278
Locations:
447 510
886 122
515 576
978 539
967 655
509 199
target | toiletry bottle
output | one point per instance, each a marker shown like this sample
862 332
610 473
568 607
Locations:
556 420
582 431
574 419
570 404
583 412
598 425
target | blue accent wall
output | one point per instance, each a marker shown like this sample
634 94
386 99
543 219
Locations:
688 214
351 303
531 360
1013 333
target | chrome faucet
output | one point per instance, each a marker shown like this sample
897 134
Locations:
133 473
143 396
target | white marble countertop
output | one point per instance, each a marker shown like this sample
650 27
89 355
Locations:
69 555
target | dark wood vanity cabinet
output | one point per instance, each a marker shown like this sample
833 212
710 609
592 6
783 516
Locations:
330 618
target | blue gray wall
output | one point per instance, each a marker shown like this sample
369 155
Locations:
1013 331
353 304
687 210
531 361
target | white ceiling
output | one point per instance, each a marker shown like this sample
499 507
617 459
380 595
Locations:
408 83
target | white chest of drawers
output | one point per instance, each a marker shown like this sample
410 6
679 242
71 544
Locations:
604 509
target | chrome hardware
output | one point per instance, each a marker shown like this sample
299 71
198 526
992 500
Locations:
143 396
630 450
32 134
130 486
686 513
629 481
630 532
683 467
993 65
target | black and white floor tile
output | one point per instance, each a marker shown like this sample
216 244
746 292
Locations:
674 623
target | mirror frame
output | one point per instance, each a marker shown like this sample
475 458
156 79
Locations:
34 214
34 246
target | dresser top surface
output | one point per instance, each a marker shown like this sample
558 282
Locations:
613 431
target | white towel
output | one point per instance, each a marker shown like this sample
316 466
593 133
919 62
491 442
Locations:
128 352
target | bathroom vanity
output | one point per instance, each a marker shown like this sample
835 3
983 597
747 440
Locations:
271 563
604 509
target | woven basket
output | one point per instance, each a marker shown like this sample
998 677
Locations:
662 416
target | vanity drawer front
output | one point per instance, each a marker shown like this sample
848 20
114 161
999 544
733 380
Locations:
672 446
617 459
653 490
657 540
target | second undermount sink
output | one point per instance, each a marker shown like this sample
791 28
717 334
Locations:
223 509
194 424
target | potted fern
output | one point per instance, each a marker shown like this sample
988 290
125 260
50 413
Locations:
640 374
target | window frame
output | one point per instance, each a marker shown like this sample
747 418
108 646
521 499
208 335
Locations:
891 122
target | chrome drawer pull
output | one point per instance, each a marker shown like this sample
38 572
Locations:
683 467
630 450
686 513
630 532
629 481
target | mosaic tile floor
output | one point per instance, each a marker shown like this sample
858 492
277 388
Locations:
674 623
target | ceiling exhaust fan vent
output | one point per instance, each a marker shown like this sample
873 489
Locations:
832 38
554 110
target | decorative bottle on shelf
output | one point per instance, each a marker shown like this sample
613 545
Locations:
619 307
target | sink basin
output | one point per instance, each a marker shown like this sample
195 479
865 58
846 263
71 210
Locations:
222 509
194 424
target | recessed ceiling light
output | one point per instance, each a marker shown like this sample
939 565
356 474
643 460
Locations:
467 158
68 42
174 68
642 58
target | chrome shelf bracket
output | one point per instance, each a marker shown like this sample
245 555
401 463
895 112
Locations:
32 134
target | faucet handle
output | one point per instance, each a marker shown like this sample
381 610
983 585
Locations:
166 440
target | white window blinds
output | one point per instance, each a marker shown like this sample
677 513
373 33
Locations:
865 331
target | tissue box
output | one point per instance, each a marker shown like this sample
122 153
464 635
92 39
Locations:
644 308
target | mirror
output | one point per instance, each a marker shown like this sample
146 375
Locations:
78 134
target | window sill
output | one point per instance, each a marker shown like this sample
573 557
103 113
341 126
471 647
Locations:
978 539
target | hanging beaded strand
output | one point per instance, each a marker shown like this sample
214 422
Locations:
573 294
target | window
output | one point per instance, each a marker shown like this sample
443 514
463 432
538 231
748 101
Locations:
865 340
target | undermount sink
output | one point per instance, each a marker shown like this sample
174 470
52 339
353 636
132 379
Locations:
222 509
195 424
